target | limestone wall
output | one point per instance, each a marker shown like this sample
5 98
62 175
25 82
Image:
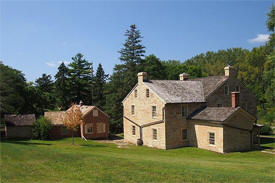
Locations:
143 115
236 139
199 136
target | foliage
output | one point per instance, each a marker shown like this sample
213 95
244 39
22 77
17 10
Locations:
12 87
270 23
47 98
41 128
154 67
80 79
73 119
124 76
99 98
90 161
62 86
266 130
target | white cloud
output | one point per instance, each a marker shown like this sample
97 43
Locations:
65 62
56 64
261 38
51 64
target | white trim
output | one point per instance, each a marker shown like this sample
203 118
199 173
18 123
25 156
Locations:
209 138
156 134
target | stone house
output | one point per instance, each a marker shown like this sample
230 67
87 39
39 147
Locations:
95 126
217 113
19 126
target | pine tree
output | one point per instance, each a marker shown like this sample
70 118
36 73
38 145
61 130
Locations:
131 56
80 79
124 77
47 96
61 85
99 85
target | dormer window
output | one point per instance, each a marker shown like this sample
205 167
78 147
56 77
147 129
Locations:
226 90
147 93
136 93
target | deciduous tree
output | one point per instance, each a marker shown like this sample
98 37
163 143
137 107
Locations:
73 119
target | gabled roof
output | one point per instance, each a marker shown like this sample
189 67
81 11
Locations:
20 120
211 83
56 117
214 113
175 91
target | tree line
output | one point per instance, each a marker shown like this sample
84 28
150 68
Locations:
78 81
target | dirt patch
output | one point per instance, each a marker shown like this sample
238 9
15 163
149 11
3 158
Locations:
119 142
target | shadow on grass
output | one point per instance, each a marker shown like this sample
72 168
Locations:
24 142
93 145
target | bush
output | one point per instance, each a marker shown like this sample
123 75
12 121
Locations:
41 128
266 130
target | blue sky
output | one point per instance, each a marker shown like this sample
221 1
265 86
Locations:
35 36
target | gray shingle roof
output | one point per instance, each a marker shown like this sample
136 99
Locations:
20 120
174 91
211 83
214 113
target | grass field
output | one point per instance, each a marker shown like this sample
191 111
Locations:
59 161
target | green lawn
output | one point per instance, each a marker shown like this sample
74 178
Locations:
59 161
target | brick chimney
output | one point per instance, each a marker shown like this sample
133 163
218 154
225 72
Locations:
235 99
184 76
229 71
142 76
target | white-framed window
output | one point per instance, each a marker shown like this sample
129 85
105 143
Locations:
95 113
184 110
226 90
154 111
211 138
133 109
133 130
184 134
100 127
147 93
219 105
155 134
135 93
237 88
89 128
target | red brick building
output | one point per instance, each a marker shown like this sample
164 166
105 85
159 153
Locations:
95 126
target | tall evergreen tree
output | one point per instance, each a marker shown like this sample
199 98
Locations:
61 85
132 56
100 78
80 79
124 77
47 96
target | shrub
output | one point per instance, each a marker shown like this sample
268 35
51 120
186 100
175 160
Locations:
266 130
41 128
